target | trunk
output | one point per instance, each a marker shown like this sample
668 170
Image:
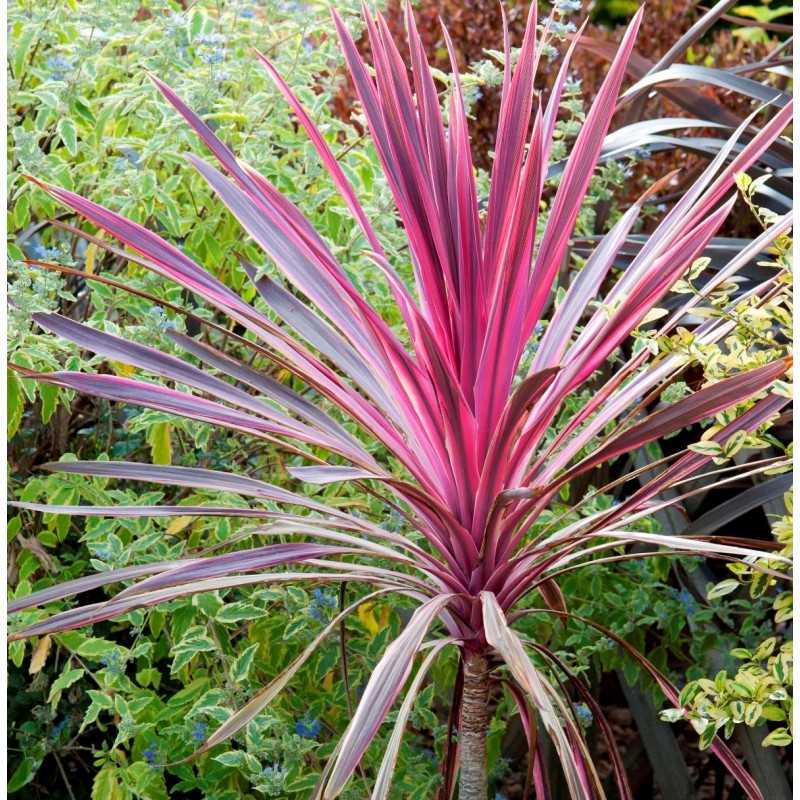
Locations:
472 784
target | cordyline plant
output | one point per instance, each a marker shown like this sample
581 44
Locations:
465 417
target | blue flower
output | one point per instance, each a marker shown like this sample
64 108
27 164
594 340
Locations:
112 662
561 29
584 714
211 38
58 65
150 754
58 62
176 20
307 727
321 601
37 250
324 598
131 156
199 731
247 13
214 57
686 599
274 775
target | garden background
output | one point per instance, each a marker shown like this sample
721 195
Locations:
96 713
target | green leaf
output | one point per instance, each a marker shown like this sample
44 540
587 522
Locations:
106 786
765 649
15 403
189 647
149 677
16 652
764 13
22 211
21 50
101 699
294 628
241 666
723 588
236 612
49 397
160 443
734 443
13 528
773 713
95 648
80 107
145 781
707 737
66 130
706 448
780 737
752 713
23 775
49 99
63 681
302 783
196 25
240 759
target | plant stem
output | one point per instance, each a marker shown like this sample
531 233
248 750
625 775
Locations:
472 784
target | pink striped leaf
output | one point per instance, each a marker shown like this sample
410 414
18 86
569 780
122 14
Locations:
702 404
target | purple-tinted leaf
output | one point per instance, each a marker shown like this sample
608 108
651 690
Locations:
714 77
509 646
385 683
268 386
159 363
132 512
383 780
193 477
702 404
237 562
98 612
85 584
317 333
332 474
